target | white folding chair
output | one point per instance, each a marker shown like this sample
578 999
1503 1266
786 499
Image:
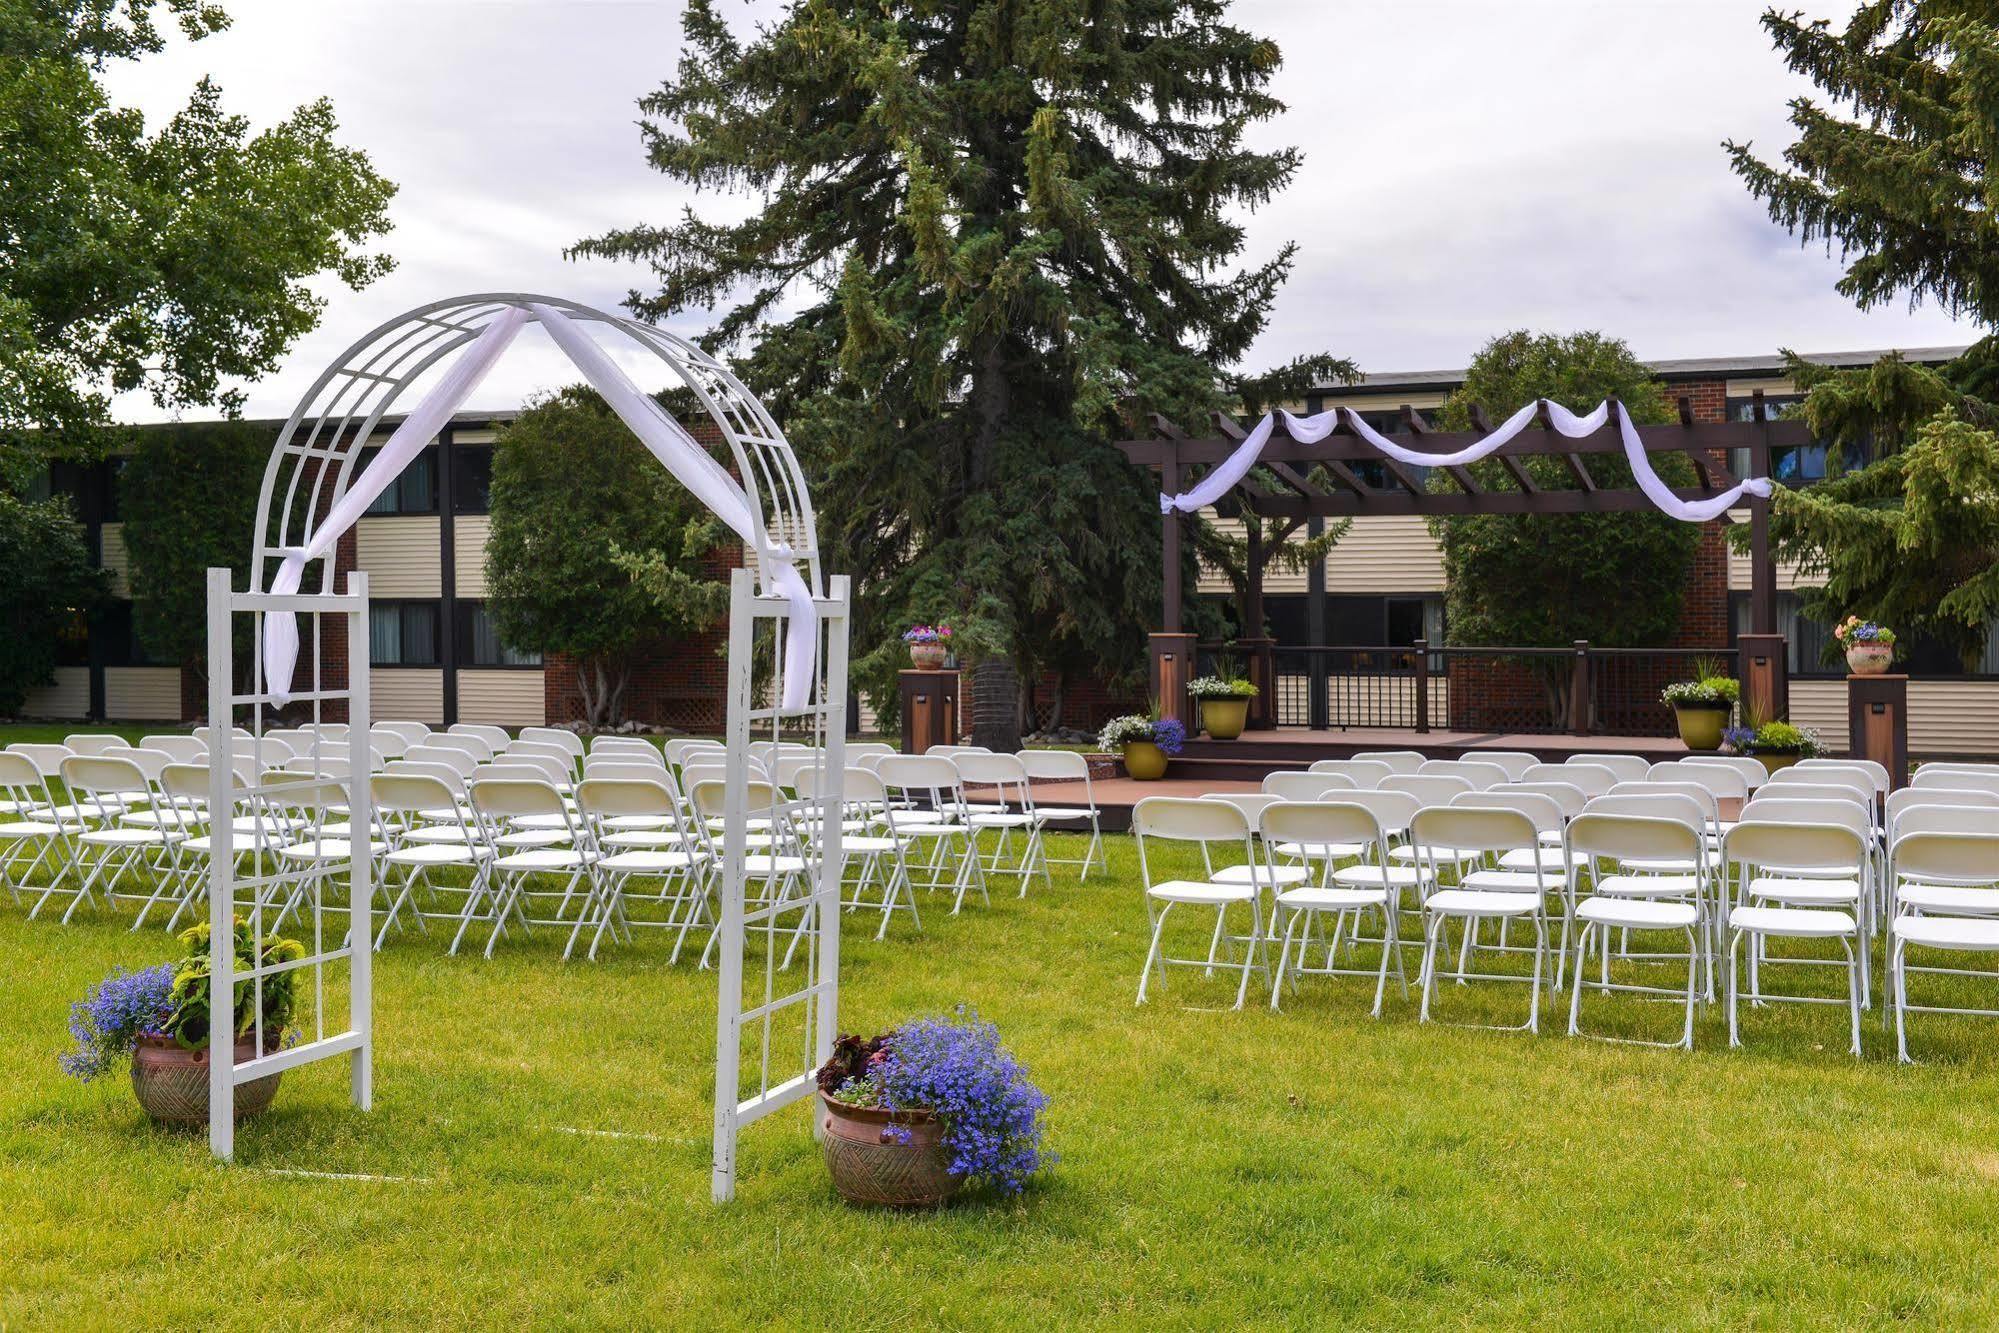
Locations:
1625 767
514 870
1207 824
1428 789
1307 786
927 784
1930 862
560 736
1873 770
95 743
1007 778
25 824
623 817
412 732
472 745
1404 762
871 847
106 786
182 749
1623 838
1482 895
425 805
496 738
1365 774
1590 779
1786 850
1751 771
1480 774
1063 766
1326 823
1515 762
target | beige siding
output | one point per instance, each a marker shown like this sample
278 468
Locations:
1386 553
142 693
399 555
1821 706
1276 579
1773 386
1954 717
469 534
502 698
460 435
403 694
67 698
1361 401
114 558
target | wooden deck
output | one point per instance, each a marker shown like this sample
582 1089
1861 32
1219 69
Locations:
1206 767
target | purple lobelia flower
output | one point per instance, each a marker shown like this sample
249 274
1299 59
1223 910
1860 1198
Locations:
111 1017
1169 734
990 1112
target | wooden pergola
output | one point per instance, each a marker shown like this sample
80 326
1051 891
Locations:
1295 483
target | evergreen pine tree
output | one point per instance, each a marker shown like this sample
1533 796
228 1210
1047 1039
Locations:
990 236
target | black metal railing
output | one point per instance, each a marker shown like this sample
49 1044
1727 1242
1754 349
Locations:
1578 689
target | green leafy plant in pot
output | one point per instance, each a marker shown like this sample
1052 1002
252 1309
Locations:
158 1020
1702 706
1224 698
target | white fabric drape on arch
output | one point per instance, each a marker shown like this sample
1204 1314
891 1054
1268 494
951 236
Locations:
1310 430
662 436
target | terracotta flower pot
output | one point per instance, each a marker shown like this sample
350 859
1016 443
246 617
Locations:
1870 659
171 1082
1144 761
928 656
1701 724
896 1159
1224 718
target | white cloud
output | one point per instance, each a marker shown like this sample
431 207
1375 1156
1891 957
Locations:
1470 167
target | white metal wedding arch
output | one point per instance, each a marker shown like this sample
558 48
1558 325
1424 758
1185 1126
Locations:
314 490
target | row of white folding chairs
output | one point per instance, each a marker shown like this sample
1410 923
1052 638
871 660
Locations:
1807 891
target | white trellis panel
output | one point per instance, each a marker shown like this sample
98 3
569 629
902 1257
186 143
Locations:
245 873
791 1015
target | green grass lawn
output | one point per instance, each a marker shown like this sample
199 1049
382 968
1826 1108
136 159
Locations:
542 1132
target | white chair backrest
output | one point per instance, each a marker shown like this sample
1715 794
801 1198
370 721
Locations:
790 766
1679 807
1515 762
562 736
1633 836
1429 788
1188 819
567 758
1391 809
618 745
623 754
1941 819
709 797
501 798
1251 803
1785 810
1472 829
1860 783
1398 761
103 776
20 780
333 731
1752 771
858 785
413 732
1627 767
617 770
1307 786
1480 774
1321 824
1949 857
1725 783
184 749
1568 798
680 748
552 767
919 772
463 761
88 742
496 738
1822 846
1593 779
388 742
1004 772
608 798
855 749
453 780
404 792
1939 798
1049 765
1873 771
1807 791
947 751
150 762
47 758
471 745
1961 776
1700 795
1366 774
1547 816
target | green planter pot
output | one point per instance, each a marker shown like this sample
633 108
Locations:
1144 761
1701 728
1224 719
1774 760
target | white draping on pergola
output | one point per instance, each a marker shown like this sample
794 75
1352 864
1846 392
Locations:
1310 430
662 436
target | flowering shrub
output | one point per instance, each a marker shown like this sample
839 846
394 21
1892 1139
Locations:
171 1000
1739 739
1853 632
927 634
1772 738
1708 692
1168 733
111 1017
1220 687
956 1069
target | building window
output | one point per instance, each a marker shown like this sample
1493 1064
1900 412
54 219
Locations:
472 479
1793 464
116 631
479 644
413 492
73 639
403 634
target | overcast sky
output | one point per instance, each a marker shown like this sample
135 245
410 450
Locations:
1470 167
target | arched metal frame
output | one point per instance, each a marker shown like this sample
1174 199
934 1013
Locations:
316 457
312 466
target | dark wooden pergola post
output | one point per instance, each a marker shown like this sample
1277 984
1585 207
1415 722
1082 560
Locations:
1766 654
1171 650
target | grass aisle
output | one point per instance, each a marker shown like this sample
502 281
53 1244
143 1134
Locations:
540 1140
